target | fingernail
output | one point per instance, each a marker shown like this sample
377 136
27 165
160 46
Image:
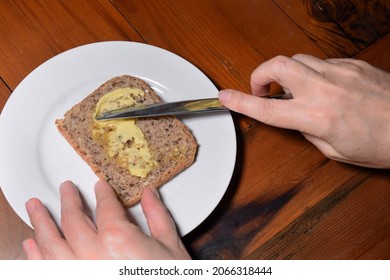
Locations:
30 206
155 191
98 184
65 184
225 95
68 187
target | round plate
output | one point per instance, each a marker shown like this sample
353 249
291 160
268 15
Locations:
35 158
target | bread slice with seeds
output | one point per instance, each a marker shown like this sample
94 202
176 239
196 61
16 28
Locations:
171 143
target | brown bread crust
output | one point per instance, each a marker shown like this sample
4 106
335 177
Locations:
171 142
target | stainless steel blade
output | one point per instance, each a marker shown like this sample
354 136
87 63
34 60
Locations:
163 109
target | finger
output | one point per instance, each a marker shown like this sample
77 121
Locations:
327 67
160 223
108 207
280 113
47 236
343 60
289 73
337 70
78 228
31 249
313 62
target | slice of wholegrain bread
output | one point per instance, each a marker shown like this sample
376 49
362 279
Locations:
170 141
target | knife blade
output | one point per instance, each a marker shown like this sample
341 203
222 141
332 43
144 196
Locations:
164 109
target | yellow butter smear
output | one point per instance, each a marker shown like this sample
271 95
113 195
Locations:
123 139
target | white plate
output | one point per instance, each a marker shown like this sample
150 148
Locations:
35 158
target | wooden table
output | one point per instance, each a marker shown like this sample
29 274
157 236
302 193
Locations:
286 200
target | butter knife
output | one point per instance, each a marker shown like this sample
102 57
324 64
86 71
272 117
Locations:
164 109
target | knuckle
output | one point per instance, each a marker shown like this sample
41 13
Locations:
237 102
299 56
66 221
240 103
115 236
113 241
355 70
327 118
275 64
49 247
279 62
265 112
326 121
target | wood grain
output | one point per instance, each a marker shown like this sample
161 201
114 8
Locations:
4 94
286 200
214 48
227 40
12 229
340 28
13 232
323 229
32 32
311 17
378 54
362 22
38 30
291 181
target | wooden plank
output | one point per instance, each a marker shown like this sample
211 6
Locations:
262 213
342 28
228 51
378 54
363 22
4 94
324 33
299 185
296 177
227 40
217 49
11 237
267 28
300 173
325 231
338 227
38 30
